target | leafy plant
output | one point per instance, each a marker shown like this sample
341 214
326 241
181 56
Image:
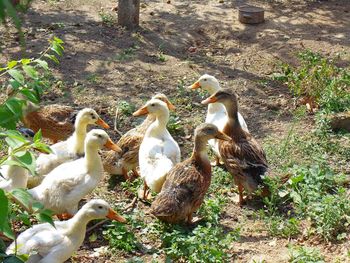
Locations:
27 78
299 254
120 238
174 125
126 108
205 243
318 80
107 18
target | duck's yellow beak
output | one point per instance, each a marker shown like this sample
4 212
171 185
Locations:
195 85
222 136
170 106
209 100
102 123
112 146
140 112
113 215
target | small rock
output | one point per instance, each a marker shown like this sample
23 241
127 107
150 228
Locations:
192 49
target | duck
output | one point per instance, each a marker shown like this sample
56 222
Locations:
55 121
67 150
216 113
14 176
130 144
243 157
159 152
68 183
56 243
187 182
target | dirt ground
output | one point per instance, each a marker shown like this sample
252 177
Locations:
104 64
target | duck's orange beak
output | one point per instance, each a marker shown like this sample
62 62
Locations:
112 146
102 123
140 112
170 106
113 215
195 85
222 136
209 100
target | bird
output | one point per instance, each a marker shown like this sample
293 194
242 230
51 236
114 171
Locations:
159 152
243 157
127 160
216 113
187 182
67 150
63 188
46 243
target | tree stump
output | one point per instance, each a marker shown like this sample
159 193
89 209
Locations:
129 13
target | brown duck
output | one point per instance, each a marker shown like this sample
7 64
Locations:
55 121
187 182
130 142
244 158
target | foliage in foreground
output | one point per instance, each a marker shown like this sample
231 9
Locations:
27 77
300 254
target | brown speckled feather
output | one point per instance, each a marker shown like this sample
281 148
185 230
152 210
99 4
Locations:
183 191
54 121
130 144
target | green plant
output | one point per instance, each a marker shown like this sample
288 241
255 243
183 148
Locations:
120 238
107 18
127 53
174 125
27 77
126 108
318 80
299 254
204 243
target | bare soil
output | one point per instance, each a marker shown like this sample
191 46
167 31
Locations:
104 64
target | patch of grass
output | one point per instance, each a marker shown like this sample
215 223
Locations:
175 124
205 243
127 53
108 19
299 254
120 237
126 108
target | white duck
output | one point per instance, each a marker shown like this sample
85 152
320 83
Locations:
67 184
159 152
47 244
15 176
67 150
216 113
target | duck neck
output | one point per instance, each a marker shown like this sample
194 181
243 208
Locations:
79 136
92 158
233 127
78 224
214 107
200 154
158 126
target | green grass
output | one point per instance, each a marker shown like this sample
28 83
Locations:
299 254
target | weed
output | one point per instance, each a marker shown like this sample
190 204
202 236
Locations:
126 108
205 243
107 18
299 254
120 237
127 53
161 57
93 78
175 125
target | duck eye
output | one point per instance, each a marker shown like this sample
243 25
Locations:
99 136
100 207
93 116
204 79
152 104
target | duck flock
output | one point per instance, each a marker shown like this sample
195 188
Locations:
75 167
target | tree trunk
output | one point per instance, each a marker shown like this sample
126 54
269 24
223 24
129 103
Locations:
129 13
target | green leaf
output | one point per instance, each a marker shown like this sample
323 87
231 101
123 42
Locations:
27 160
38 136
58 40
30 95
2 246
17 75
14 139
23 197
42 147
37 206
25 61
57 48
15 84
11 64
8 231
52 57
15 106
42 63
30 71
4 208
12 259
45 216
